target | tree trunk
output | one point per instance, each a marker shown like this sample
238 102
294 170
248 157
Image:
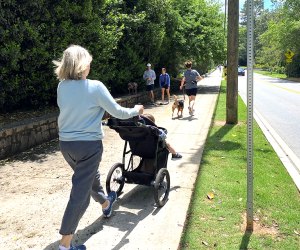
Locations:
232 62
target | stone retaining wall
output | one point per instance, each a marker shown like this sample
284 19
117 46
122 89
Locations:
27 134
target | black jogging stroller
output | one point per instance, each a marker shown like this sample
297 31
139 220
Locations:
145 157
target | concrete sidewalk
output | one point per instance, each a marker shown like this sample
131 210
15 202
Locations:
136 223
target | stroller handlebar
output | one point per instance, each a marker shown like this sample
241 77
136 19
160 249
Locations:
133 121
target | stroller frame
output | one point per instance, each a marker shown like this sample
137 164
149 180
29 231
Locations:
151 169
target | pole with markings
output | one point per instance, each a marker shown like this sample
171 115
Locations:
250 115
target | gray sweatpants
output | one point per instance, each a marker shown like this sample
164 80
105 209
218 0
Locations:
84 158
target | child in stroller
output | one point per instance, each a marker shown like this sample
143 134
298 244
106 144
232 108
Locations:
175 155
145 162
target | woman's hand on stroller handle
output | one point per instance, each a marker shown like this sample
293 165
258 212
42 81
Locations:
140 108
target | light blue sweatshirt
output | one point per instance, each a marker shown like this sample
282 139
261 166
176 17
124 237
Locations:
149 74
82 104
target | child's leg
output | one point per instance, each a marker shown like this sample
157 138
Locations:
170 148
168 93
162 94
175 155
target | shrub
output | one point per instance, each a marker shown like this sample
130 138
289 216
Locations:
121 35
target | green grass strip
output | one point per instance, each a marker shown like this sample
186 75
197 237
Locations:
268 73
218 223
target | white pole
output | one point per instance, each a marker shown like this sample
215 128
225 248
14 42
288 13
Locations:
250 115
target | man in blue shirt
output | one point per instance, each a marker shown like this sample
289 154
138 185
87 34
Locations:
149 76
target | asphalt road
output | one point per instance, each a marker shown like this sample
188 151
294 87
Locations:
278 102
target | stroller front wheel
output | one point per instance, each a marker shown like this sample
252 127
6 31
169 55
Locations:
162 187
115 180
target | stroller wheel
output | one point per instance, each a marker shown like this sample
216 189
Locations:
115 180
162 187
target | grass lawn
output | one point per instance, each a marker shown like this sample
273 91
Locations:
219 223
268 73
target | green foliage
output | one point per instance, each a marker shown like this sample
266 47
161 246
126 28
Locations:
243 45
35 33
277 31
199 36
261 17
121 35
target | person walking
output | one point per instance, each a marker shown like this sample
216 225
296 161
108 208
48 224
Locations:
149 76
82 103
164 83
190 79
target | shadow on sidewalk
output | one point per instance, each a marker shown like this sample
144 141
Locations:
139 198
186 118
206 89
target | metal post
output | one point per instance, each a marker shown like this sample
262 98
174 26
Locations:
250 115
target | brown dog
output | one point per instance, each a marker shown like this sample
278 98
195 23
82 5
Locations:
179 105
132 88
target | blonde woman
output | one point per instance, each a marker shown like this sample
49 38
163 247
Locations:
82 103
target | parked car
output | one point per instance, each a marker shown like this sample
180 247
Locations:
241 71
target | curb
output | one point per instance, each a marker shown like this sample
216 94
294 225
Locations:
285 154
290 161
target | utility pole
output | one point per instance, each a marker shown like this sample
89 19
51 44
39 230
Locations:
225 17
232 62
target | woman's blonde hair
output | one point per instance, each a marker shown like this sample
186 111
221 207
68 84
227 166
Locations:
74 62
